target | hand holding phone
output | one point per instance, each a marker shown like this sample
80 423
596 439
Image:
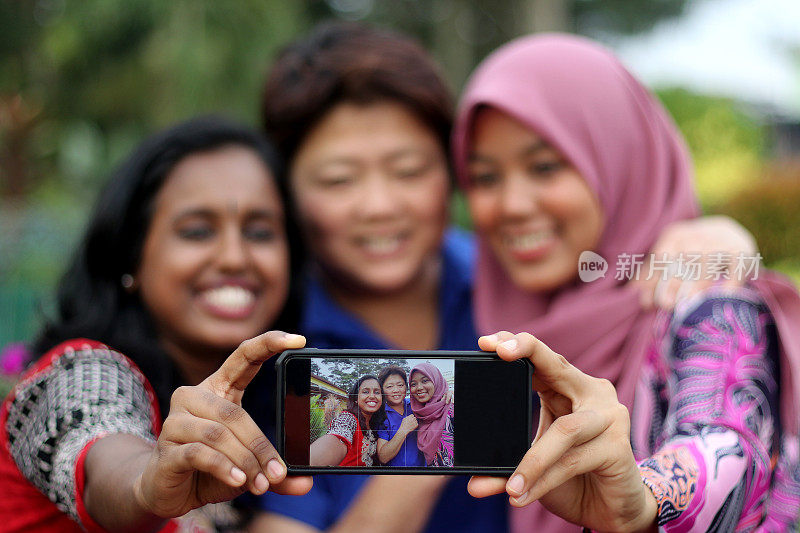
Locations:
403 412
582 449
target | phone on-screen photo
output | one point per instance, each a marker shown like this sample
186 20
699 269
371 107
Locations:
402 412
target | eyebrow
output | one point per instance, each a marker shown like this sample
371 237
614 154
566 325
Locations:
204 212
531 149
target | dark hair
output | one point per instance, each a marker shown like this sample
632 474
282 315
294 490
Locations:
376 420
91 301
392 370
351 62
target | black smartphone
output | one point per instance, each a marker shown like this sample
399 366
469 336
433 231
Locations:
402 412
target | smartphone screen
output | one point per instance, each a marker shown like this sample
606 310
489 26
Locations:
404 412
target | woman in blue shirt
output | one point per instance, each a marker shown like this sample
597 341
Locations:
362 116
397 441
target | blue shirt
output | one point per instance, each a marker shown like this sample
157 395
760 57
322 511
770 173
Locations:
408 454
327 325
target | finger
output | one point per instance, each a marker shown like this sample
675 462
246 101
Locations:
294 485
549 367
488 343
210 406
230 380
564 433
185 429
483 486
199 457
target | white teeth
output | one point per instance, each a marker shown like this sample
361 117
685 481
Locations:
381 245
529 241
229 297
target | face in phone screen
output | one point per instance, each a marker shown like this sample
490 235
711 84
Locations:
369 412
392 412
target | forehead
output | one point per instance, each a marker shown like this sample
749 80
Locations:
394 378
220 178
369 383
495 127
362 130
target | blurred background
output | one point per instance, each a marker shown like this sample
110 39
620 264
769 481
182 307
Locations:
82 81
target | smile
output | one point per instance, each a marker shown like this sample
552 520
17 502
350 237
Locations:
384 245
229 301
530 245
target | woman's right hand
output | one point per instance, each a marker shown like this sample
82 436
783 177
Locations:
580 465
409 424
210 450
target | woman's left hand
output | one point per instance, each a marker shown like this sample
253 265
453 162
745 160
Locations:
717 242
580 465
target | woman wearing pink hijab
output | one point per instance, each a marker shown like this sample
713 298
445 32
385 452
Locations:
434 413
686 420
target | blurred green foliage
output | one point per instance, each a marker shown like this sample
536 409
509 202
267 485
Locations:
82 81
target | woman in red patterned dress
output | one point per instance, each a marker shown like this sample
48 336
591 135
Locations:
186 256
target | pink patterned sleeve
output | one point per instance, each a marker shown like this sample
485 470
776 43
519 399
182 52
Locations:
714 465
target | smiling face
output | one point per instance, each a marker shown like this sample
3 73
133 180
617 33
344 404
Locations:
214 268
394 390
369 396
421 387
371 187
534 209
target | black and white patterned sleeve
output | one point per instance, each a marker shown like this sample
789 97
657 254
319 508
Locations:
84 393
344 426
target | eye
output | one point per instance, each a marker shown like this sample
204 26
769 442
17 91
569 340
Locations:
411 172
199 232
259 233
334 181
483 179
546 168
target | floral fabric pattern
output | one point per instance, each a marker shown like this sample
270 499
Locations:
444 455
705 418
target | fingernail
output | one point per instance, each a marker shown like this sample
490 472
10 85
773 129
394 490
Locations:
261 483
510 344
237 475
275 468
516 484
491 338
521 499
291 336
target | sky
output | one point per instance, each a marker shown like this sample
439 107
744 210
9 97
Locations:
747 49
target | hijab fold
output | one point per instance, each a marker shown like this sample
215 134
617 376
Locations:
432 415
579 98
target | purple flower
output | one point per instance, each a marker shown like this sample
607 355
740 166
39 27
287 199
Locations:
13 359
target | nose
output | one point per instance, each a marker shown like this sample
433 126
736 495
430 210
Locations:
518 197
379 199
233 254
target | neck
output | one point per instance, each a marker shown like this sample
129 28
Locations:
194 363
399 408
407 317
367 417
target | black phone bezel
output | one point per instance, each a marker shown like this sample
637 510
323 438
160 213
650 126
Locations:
307 353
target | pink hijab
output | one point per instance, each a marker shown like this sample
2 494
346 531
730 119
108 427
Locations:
580 99
432 415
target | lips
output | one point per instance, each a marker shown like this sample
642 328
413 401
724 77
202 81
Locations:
531 245
229 301
372 404
382 245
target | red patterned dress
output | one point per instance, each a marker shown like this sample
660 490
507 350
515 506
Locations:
77 393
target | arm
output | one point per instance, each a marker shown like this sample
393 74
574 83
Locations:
387 450
328 450
580 466
105 468
715 461
705 238
385 504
